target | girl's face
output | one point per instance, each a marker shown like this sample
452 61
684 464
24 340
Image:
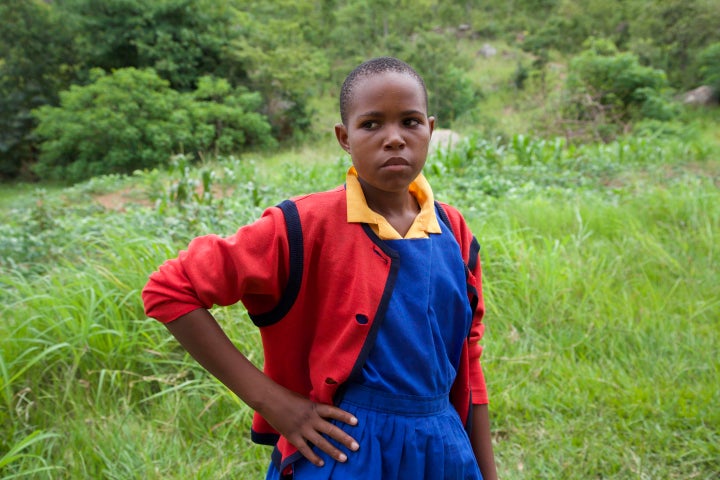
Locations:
387 132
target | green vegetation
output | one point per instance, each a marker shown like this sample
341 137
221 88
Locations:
709 66
595 196
609 90
287 54
132 120
601 273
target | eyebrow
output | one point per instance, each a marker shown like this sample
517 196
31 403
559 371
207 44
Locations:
374 113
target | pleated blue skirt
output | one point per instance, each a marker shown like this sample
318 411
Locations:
400 437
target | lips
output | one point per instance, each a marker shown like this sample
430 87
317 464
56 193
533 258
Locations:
395 161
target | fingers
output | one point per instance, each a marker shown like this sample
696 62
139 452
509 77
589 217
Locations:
334 432
306 424
340 437
328 411
308 453
323 444
318 432
315 436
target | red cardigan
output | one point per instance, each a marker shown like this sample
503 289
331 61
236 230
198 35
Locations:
318 287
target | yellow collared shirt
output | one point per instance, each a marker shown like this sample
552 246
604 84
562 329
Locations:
358 211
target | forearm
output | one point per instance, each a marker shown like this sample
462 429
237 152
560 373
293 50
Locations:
481 441
202 337
300 420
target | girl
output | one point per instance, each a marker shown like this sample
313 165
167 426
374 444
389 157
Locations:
368 299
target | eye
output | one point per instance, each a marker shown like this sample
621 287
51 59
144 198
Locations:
369 125
411 122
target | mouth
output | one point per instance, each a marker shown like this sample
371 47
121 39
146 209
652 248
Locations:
396 162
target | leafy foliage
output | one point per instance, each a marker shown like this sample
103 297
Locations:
282 64
669 35
293 52
709 66
450 91
226 119
182 40
596 260
119 123
568 24
36 62
608 88
132 120
370 28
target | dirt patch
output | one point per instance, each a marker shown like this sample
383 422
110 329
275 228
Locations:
118 200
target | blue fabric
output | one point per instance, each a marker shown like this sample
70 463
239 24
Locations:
401 437
419 344
407 428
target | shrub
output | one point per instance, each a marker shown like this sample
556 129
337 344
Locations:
119 123
181 40
226 119
451 91
133 120
709 66
37 60
611 90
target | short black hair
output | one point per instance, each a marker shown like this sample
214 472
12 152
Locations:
374 66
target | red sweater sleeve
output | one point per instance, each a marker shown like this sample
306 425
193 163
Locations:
249 266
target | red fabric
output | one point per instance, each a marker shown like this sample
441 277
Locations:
315 346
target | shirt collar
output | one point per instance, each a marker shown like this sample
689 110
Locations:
358 211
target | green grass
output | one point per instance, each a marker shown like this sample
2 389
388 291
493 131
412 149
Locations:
601 266
607 320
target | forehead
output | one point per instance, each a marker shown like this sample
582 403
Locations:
387 89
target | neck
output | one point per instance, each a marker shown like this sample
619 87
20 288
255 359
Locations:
390 204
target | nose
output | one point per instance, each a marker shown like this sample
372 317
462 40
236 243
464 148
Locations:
394 138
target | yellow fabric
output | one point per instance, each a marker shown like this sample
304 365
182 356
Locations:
358 211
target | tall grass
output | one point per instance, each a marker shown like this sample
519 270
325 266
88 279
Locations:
604 320
601 267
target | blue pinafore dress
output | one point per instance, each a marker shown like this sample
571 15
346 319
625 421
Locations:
407 427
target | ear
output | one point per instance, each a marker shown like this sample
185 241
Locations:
341 134
431 123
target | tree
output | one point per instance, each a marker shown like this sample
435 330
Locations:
282 64
37 60
450 91
668 35
226 119
181 40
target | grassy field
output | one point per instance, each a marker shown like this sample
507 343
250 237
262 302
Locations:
601 269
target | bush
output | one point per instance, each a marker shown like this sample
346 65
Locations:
133 120
611 90
451 91
709 66
36 61
225 119
119 123
181 40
